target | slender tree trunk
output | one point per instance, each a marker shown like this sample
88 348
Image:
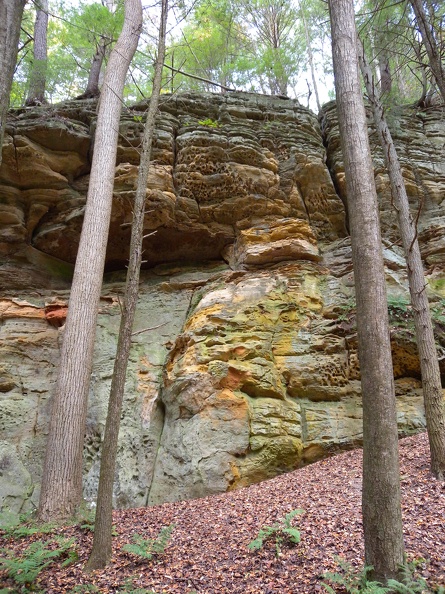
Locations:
11 12
385 73
310 55
430 45
37 80
92 89
382 520
61 491
102 548
426 345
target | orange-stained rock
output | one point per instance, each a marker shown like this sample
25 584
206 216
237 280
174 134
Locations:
244 358
55 313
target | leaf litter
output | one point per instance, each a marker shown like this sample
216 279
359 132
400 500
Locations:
208 552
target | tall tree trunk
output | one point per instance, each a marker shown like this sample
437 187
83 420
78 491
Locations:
62 473
382 519
429 364
310 54
11 12
102 548
430 45
37 80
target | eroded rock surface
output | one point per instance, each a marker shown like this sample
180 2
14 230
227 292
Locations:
244 362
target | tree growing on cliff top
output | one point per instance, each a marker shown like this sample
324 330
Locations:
11 12
382 518
61 491
37 79
433 50
101 552
98 27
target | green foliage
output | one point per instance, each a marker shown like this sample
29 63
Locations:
209 123
85 519
212 45
438 311
24 569
147 548
282 531
22 525
84 589
347 309
390 39
353 581
400 310
128 588
73 36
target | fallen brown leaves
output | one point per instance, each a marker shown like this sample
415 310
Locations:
208 551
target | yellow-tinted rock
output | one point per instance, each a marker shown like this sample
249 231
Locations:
282 240
237 371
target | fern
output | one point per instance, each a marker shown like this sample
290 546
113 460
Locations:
410 584
22 525
281 531
357 582
25 569
146 548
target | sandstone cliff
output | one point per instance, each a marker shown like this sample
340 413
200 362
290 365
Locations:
244 361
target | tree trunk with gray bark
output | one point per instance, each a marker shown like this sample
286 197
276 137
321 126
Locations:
382 519
429 41
426 345
61 491
102 548
37 79
11 12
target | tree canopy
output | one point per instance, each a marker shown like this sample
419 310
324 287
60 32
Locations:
266 46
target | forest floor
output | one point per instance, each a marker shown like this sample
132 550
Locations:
208 552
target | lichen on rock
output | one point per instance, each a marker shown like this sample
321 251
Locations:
244 359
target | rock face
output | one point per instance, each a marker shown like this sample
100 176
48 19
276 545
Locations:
244 362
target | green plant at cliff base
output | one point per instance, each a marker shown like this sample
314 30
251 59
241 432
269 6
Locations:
23 570
85 519
147 548
282 531
353 581
22 525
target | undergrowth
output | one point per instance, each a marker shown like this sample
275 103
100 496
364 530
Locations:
282 531
22 525
147 548
353 581
24 569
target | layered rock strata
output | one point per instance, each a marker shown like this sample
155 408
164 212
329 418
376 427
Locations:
244 362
